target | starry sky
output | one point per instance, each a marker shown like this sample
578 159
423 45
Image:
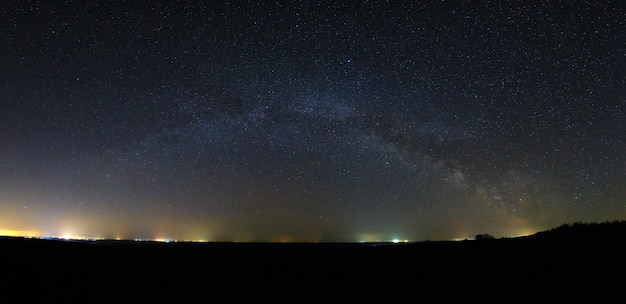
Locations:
310 121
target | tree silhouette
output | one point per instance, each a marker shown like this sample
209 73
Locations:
484 236
589 229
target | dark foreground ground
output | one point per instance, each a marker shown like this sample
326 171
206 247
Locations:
526 270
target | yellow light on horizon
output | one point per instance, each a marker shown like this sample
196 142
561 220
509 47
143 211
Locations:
370 237
525 232
19 233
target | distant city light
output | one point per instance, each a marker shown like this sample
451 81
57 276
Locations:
22 233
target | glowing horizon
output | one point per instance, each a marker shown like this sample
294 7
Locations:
357 238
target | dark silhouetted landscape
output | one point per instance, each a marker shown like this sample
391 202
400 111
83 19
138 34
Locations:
581 262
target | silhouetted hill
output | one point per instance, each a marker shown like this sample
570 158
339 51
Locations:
536 269
583 229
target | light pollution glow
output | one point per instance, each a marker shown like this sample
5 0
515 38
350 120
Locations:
76 232
83 225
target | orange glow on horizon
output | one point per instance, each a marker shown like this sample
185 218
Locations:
19 233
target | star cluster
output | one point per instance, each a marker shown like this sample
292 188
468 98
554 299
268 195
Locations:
311 121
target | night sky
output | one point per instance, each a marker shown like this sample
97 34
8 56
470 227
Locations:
305 121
